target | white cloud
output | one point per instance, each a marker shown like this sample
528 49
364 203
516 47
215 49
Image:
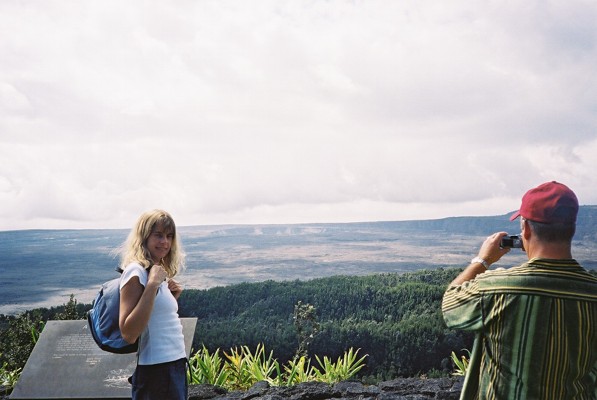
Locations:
232 111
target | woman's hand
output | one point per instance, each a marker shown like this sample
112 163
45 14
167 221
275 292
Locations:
157 275
175 287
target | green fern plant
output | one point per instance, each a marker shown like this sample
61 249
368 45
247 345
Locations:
241 368
345 368
262 367
460 364
236 367
207 368
245 369
9 377
297 371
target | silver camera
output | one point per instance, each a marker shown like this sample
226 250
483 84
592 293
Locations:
513 241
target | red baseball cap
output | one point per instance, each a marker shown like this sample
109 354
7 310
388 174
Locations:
549 203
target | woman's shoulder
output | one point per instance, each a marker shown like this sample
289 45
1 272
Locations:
133 266
131 270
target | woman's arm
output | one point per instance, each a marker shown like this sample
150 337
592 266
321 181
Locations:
136 303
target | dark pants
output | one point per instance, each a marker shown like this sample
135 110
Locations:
167 381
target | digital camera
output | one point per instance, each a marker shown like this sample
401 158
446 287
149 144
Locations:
513 241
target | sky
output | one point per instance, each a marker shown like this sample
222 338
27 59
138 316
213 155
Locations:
277 112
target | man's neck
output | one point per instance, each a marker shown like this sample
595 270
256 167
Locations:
553 251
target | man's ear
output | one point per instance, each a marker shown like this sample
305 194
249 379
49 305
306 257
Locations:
525 229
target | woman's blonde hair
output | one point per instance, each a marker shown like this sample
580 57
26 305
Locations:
135 249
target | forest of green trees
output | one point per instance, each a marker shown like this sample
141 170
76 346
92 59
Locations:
393 318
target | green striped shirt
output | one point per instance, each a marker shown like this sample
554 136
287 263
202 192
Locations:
536 331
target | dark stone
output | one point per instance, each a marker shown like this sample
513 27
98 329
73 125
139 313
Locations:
72 366
272 397
350 388
450 394
201 392
303 391
393 396
257 390
397 389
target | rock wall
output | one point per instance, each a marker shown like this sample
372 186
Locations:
398 389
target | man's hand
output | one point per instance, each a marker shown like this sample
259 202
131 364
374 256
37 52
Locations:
490 252
490 249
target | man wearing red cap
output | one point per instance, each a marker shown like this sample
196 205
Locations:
535 324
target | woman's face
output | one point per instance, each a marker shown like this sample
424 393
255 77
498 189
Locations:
159 243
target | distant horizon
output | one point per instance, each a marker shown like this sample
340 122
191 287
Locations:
266 224
282 223
58 262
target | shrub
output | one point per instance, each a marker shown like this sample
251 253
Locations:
241 368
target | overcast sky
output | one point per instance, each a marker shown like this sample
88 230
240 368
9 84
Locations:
258 112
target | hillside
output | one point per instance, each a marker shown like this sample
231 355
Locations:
394 318
60 262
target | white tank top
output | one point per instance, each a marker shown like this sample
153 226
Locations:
162 341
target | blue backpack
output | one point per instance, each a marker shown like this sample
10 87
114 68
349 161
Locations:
103 319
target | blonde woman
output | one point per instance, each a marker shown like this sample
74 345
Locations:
151 257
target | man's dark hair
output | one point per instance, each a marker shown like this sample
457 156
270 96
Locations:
556 232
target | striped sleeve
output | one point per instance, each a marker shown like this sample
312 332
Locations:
462 306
